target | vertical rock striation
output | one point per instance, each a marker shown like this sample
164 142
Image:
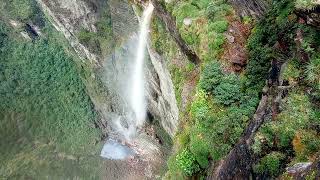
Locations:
254 8
71 16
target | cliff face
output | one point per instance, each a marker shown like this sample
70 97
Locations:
72 17
255 8
69 17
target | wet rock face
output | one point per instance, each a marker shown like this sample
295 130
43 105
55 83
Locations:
70 16
161 100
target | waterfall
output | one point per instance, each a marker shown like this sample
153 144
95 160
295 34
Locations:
137 101
128 125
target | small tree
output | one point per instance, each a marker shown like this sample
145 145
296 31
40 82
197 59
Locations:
211 76
187 162
228 91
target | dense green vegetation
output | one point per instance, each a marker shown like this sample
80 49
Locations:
289 138
47 120
220 109
46 116
223 102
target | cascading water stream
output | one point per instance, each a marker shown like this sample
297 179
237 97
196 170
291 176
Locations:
112 149
137 101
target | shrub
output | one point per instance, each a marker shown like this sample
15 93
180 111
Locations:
228 91
200 149
219 26
211 76
184 10
199 107
90 39
189 36
270 164
311 143
187 162
218 8
201 3
263 38
217 42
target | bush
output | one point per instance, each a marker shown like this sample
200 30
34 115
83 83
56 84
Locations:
200 149
228 91
90 39
306 144
219 26
201 3
263 38
291 72
270 164
184 10
217 42
211 76
218 8
187 162
199 107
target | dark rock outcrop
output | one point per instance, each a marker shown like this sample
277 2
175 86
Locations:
254 8
238 163
306 170
311 17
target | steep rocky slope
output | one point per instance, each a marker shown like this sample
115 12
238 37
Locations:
233 88
71 17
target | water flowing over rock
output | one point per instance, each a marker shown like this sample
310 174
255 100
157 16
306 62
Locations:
70 17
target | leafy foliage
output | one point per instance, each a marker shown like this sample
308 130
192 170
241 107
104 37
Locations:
187 162
228 91
270 164
218 26
225 88
263 38
41 86
211 76
19 9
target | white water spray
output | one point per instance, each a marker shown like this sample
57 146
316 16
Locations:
137 101
128 128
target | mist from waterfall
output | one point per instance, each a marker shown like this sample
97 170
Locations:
137 101
127 125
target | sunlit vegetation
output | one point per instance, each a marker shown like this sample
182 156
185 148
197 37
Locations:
205 32
224 102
